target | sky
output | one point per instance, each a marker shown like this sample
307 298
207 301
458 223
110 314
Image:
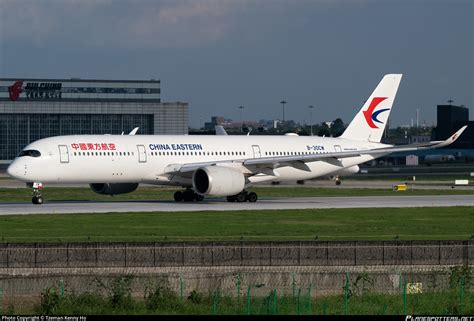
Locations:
220 54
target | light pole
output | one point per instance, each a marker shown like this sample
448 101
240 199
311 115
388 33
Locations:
283 104
241 118
311 118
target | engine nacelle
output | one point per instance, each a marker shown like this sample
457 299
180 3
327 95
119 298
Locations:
218 181
348 171
113 188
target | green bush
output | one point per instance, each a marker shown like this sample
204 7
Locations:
84 303
195 297
50 301
458 273
160 297
120 294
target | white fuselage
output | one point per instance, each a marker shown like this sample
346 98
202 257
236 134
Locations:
150 159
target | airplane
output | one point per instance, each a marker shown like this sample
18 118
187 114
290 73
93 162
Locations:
214 165
336 176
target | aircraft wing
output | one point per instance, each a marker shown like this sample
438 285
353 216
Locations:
299 160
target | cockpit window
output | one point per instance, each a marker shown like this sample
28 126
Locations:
30 152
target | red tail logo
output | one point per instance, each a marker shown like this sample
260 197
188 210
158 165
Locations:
14 90
370 115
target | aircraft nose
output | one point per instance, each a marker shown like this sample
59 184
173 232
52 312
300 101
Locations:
14 170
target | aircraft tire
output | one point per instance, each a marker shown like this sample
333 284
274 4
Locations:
231 199
198 197
252 197
338 182
37 200
178 196
241 197
188 196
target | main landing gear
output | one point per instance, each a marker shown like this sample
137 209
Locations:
243 197
37 198
337 180
188 196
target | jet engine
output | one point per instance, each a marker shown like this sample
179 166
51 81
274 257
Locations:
218 181
113 188
348 171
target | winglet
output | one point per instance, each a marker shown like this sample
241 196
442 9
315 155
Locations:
452 138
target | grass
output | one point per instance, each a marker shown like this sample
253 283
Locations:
448 223
158 193
160 300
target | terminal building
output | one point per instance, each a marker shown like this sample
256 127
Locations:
31 109
450 119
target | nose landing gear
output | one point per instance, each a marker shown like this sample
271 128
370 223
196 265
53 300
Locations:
37 198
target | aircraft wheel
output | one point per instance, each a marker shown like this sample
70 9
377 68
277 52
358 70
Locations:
241 197
178 196
338 182
188 196
37 200
231 199
252 197
198 197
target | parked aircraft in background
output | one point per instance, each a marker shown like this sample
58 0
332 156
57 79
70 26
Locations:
217 165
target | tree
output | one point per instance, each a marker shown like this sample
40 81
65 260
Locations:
324 130
337 127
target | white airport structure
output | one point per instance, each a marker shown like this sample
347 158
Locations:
31 109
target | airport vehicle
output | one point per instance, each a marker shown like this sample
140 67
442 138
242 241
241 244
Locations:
217 165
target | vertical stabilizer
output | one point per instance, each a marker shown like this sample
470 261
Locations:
370 121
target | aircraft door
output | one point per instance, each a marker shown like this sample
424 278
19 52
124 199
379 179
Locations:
337 148
141 154
63 154
256 151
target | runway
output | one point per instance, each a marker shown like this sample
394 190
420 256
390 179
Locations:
69 207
